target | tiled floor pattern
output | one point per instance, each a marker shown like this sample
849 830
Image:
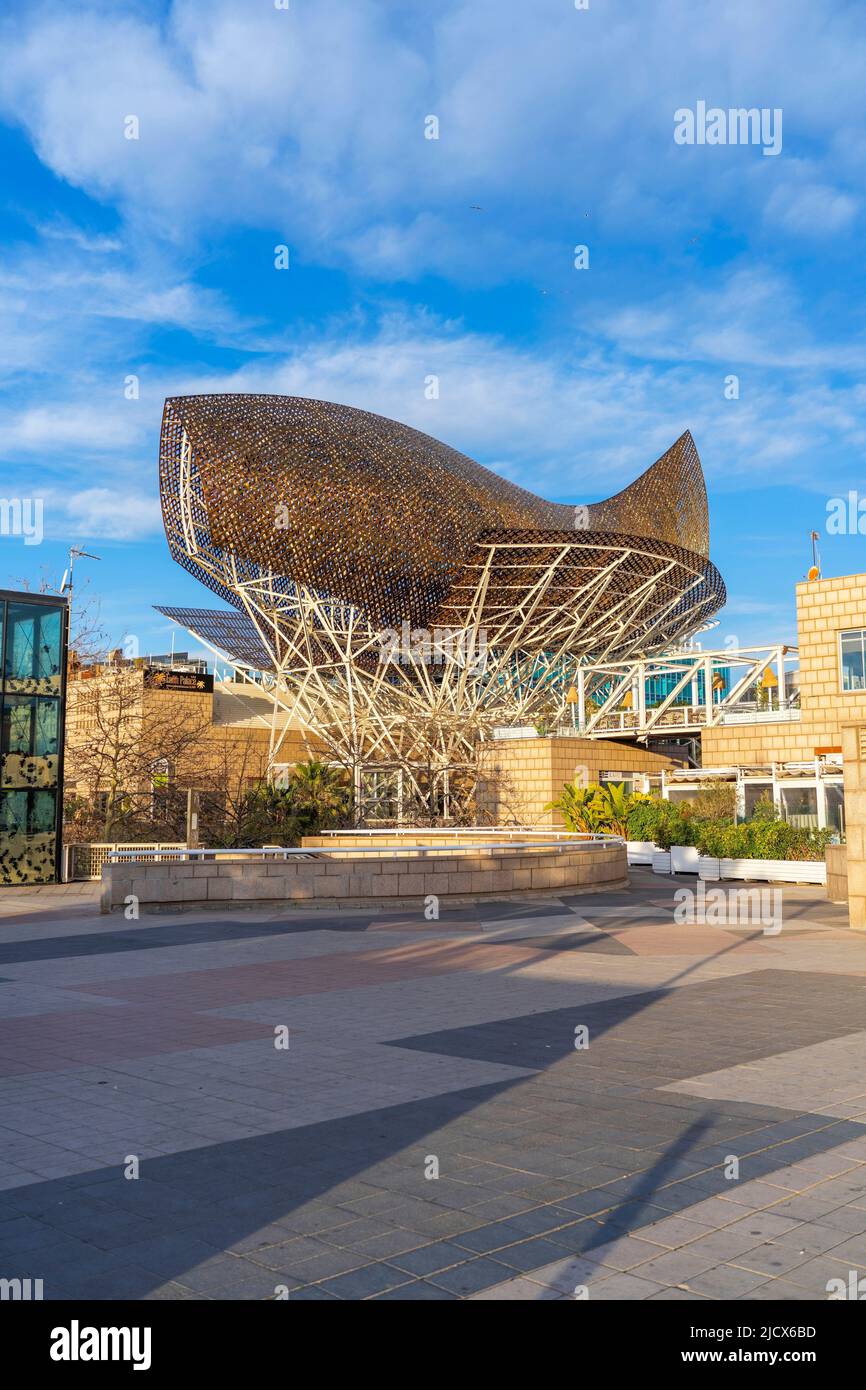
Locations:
709 1142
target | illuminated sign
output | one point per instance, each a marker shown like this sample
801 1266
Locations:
195 681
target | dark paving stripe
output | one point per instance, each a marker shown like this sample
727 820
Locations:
667 1035
157 938
598 943
494 911
183 933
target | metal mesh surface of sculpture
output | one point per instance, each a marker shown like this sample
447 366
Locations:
407 598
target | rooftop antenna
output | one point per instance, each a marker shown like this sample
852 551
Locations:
66 582
815 571
75 552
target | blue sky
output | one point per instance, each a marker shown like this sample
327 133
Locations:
453 257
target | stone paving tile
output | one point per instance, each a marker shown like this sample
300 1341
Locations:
726 1281
522 1290
623 1254
779 1290
525 1256
853 1250
813 1237
306 1169
673 1232
815 1274
469 1278
364 1283
676 1266
430 1259
726 1244
622 1288
770 1259
851 1220
419 1291
564 1276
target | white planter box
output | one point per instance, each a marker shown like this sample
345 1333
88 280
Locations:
661 861
765 870
639 851
684 859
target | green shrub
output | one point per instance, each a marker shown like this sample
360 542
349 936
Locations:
579 807
765 836
762 839
643 819
665 823
716 800
604 810
765 808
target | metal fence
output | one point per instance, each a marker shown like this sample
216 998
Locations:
86 861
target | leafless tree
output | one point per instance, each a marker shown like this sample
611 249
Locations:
126 754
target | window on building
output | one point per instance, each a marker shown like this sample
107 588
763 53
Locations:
835 795
33 648
380 794
30 726
800 806
853 659
27 812
754 792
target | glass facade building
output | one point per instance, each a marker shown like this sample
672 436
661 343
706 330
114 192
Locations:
33 643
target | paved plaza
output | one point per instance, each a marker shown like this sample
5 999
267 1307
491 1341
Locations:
288 1085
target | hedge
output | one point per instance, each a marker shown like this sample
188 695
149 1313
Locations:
667 823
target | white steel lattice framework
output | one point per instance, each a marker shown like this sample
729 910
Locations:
399 599
685 691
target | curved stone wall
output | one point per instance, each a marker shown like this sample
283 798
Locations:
363 880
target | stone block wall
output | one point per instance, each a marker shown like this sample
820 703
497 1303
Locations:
854 768
836 857
524 774
363 880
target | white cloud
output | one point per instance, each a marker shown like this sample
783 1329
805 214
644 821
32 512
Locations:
80 425
99 512
309 122
803 206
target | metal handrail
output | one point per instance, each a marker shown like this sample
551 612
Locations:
388 851
471 830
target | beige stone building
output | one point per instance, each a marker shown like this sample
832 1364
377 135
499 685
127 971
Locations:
134 730
525 774
831 616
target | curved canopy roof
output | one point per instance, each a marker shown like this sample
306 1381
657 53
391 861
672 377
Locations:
368 512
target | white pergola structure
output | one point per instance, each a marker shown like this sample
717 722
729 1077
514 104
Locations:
682 692
399 600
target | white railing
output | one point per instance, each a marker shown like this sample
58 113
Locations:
507 830
761 716
578 841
